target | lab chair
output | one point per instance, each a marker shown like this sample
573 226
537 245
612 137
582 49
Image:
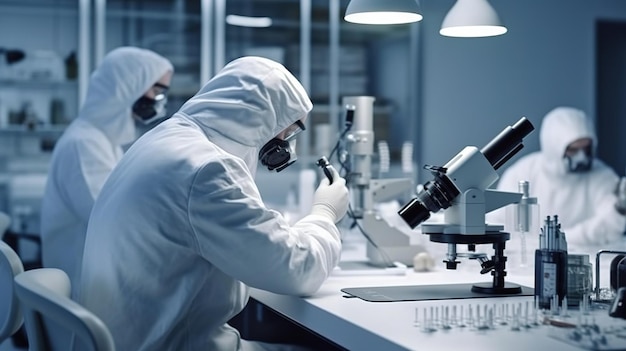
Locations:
10 313
44 296
16 239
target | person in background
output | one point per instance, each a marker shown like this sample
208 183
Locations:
569 181
128 86
180 223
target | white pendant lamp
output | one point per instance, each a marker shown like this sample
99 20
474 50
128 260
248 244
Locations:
383 11
247 21
472 18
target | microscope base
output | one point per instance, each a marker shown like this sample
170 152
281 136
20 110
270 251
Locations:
497 264
487 238
488 288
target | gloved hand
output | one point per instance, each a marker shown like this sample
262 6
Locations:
331 200
620 191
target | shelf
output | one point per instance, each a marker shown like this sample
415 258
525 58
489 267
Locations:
38 84
37 131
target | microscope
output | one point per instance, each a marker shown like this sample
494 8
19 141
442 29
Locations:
386 243
460 189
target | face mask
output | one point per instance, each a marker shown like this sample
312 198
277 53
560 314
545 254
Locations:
578 163
148 110
278 154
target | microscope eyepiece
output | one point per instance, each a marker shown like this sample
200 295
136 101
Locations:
440 192
508 143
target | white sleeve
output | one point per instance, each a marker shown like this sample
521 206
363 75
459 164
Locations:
606 225
238 234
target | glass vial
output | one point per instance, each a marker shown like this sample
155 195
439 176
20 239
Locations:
523 224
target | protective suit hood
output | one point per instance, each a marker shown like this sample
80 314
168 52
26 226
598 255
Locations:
125 74
251 100
560 127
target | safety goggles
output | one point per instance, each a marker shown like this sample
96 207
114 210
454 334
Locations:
160 91
293 130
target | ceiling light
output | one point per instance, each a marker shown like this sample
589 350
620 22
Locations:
246 21
383 11
472 18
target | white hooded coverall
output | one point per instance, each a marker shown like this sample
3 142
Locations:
584 201
89 149
180 231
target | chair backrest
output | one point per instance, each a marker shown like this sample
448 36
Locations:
44 295
10 311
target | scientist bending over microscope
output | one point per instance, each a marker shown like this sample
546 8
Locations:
180 231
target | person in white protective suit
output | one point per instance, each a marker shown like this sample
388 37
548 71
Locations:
180 232
568 180
129 85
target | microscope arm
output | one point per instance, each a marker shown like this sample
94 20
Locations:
495 199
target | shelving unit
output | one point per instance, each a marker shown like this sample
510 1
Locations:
36 99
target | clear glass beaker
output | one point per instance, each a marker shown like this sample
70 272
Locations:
579 278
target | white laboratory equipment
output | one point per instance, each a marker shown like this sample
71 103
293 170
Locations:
460 188
387 243
522 221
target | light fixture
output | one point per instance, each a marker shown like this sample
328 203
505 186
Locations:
472 18
383 11
246 21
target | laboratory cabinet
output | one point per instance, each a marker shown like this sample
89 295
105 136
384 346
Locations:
39 86
40 89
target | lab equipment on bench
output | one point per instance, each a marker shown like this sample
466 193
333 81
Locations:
386 243
524 219
460 188
617 274
551 265
579 278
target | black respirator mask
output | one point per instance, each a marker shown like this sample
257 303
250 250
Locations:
277 154
579 162
147 110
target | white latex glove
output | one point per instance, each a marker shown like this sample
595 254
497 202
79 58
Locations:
331 200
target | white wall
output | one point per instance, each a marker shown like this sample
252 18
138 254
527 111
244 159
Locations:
473 88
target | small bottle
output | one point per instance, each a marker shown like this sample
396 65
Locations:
57 111
71 66
30 116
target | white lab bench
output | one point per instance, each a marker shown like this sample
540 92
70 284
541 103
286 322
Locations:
356 324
